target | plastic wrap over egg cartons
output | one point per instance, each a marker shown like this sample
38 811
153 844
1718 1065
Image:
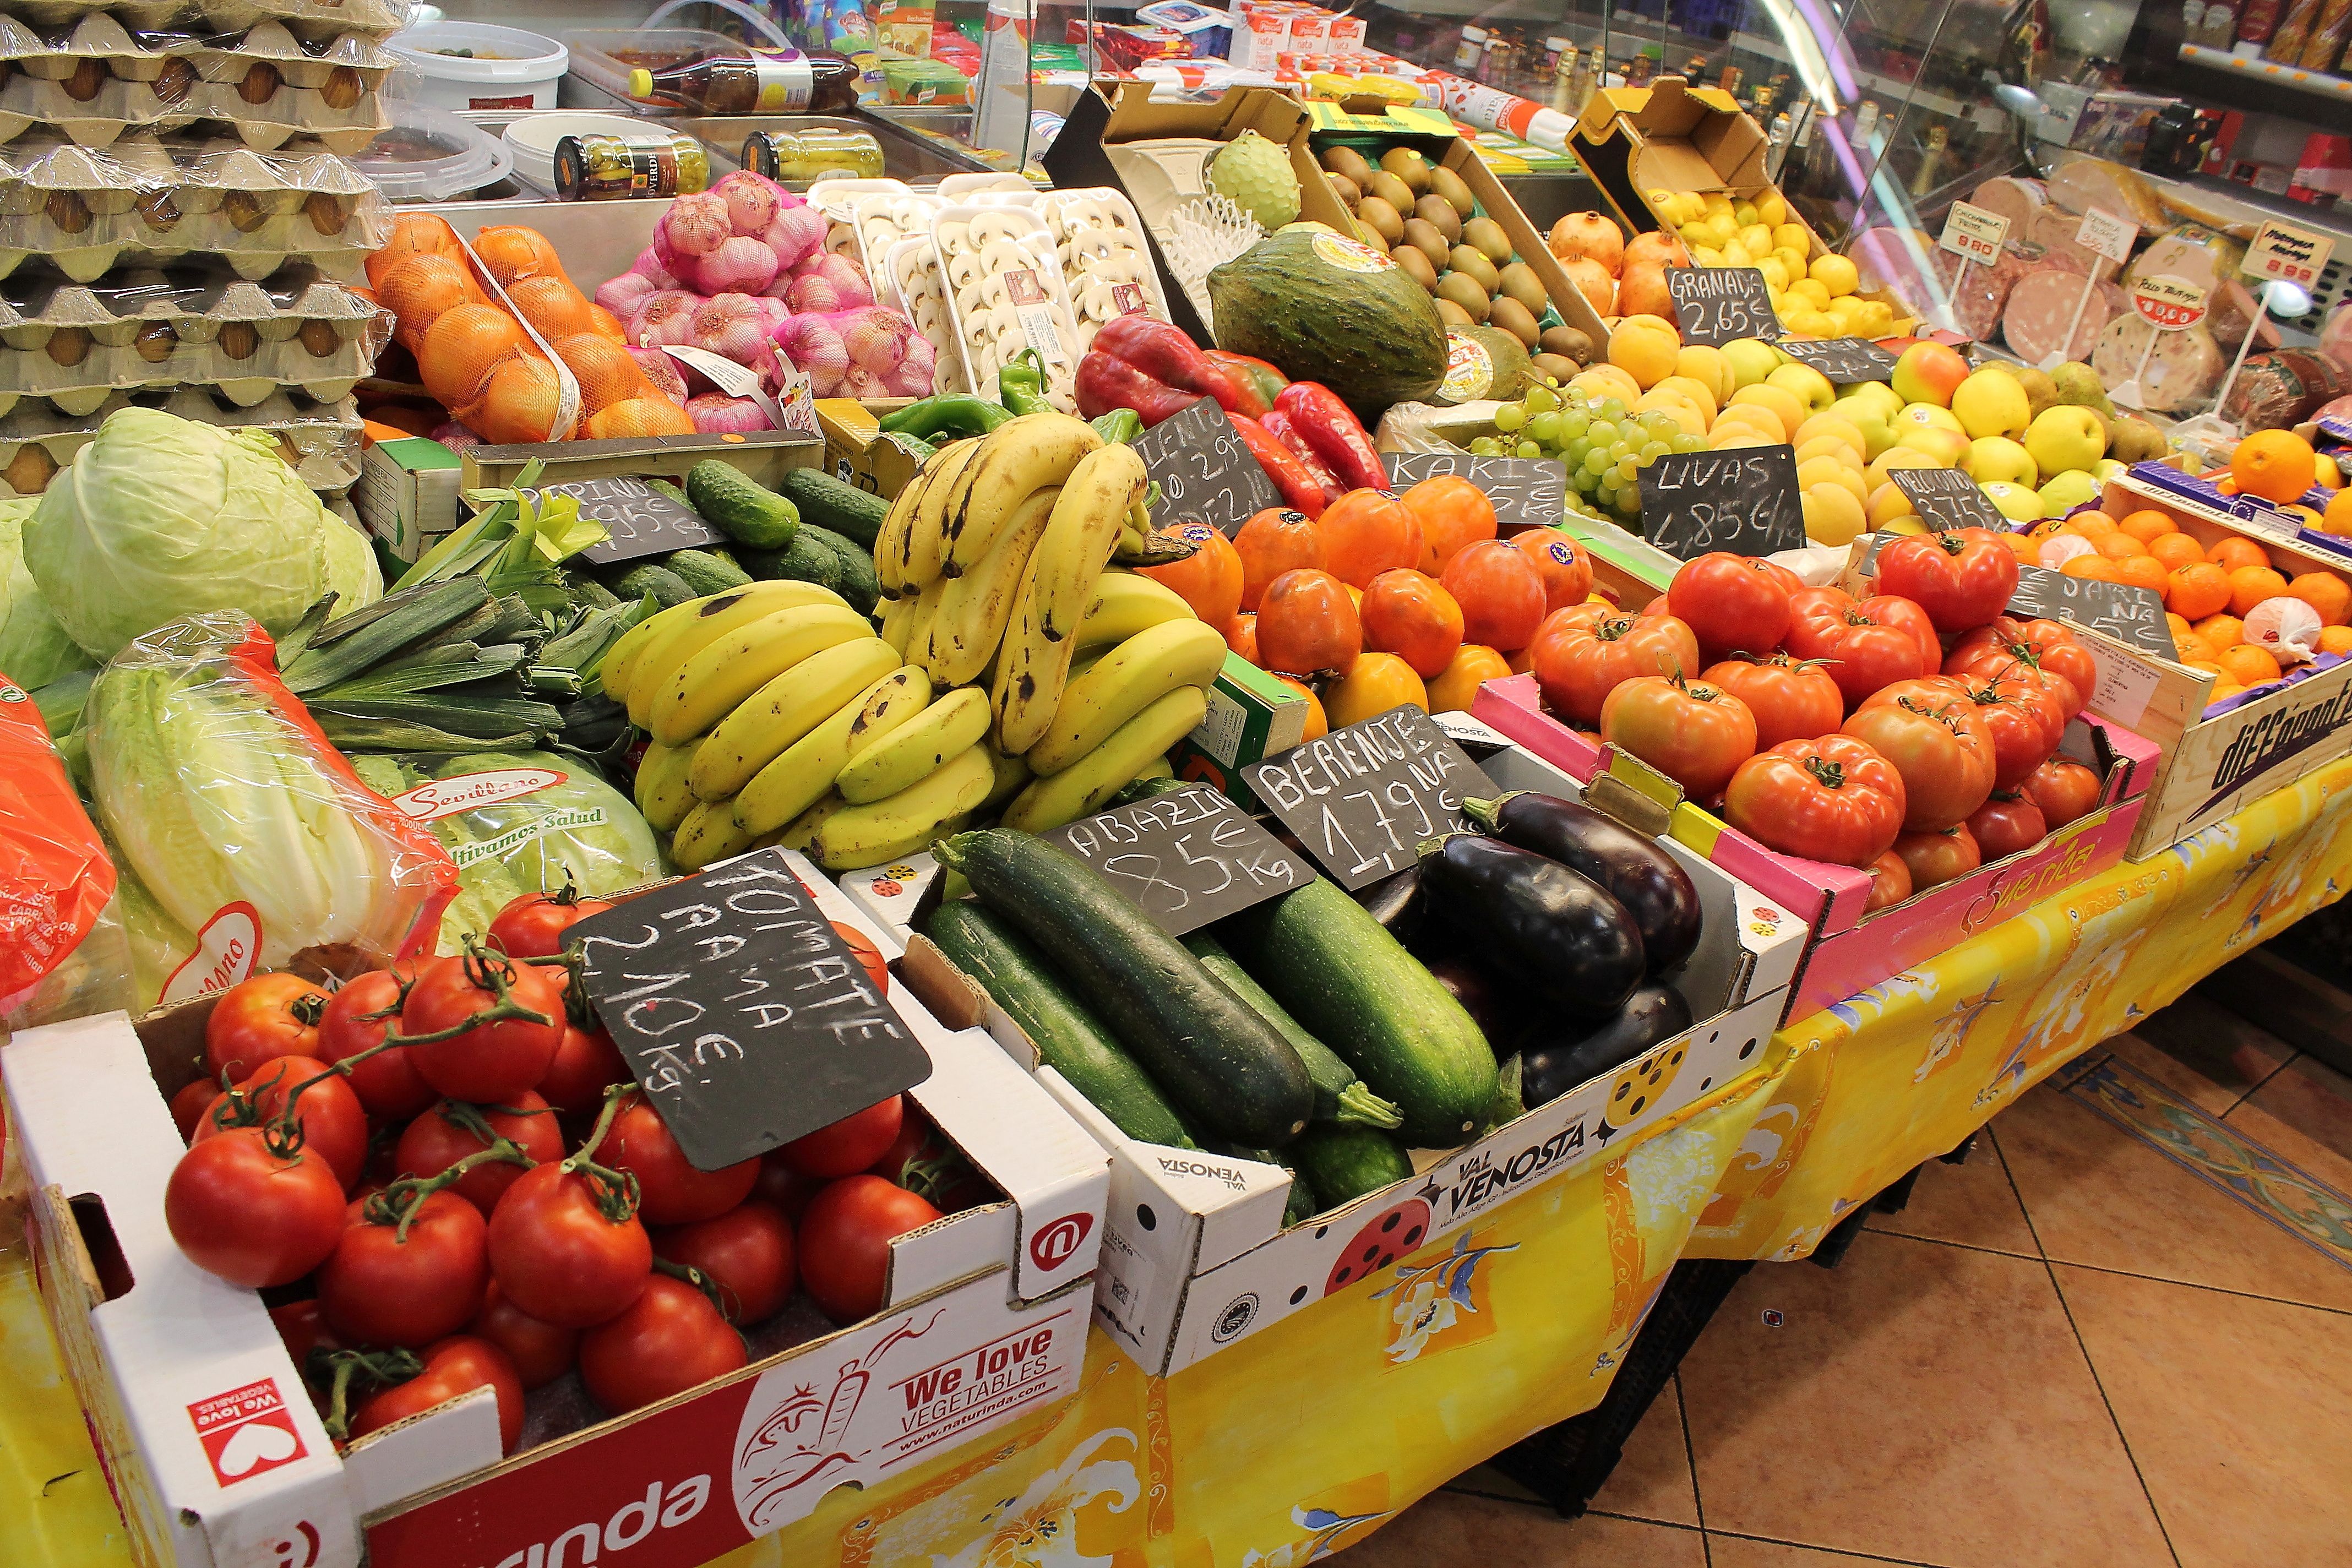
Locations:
320 440
74 346
95 80
1098 241
147 200
311 20
1006 294
913 271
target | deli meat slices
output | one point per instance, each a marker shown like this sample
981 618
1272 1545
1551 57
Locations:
2183 371
1977 293
2034 318
2014 199
2087 182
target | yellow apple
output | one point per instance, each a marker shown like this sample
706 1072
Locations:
1998 458
1927 417
1833 514
1943 449
1991 403
1809 386
1886 503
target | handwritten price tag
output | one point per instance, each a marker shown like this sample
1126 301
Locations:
2106 234
1974 234
2288 254
2168 304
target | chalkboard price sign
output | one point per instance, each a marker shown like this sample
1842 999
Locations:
745 1017
1526 492
642 521
1362 798
1743 500
2130 615
1205 474
1186 857
1947 498
1715 305
1842 360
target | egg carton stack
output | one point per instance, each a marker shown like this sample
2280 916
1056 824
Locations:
177 221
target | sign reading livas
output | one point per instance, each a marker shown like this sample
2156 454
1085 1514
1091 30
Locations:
1205 474
1362 798
641 520
1743 500
1186 857
745 1017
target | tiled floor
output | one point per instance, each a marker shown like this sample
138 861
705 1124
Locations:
2119 1334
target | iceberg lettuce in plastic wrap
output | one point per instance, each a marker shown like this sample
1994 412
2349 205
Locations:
34 648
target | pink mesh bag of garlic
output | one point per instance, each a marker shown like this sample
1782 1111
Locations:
870 351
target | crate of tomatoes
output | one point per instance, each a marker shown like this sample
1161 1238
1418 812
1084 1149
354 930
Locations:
1901 770
412 1271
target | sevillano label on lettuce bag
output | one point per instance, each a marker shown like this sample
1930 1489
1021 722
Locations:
437 798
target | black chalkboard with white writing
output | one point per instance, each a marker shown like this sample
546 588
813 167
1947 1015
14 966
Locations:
1205 474
1946 498
1526 492
642 521
2130 615
1842 360
1186 857
1742 499
1362 798
1716 305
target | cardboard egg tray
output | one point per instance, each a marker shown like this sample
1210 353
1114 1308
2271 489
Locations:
146 201
95 80
320 440
74 346
309 20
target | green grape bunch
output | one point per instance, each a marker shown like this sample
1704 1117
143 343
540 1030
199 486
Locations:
1604 445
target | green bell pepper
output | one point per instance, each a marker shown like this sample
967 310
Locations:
1021 384
957 415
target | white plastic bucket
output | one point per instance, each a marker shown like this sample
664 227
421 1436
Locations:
510 68
532 141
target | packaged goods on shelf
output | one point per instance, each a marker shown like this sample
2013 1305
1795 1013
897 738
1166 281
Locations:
321 440
311 20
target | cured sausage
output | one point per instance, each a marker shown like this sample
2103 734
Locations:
2041 303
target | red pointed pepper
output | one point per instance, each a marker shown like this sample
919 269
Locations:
1254 376
1301 490
1287 434
1317 413
1153 368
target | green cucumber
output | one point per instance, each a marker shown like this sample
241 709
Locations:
1345 978
739 506
1002 963
706 571
826 503
1343 1163
859 583
1226 1070
668 589
807 559
1299 1206
1339 1094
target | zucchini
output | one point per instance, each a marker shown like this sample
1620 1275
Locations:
826 503
706 571
668 589
1343 1163
1002 963
859 583
1299 1206
1344 977
589 592
1226 1070
739 506
1339 1094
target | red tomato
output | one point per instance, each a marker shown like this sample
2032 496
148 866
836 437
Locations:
1938 855
303 1328
2064 790
251 1216
257 1019
188 1106
2006 822
541 1351
1864 645
532 926
586 1064
489 1063
440 1138
1501 593
1729 603
847 1146
1579 662
2021 714
334 1128
1791 699
1890 883
1695 734
453 1368
1940 746
379 1287
556 1255
845 1243
1832 799
877 968
783 1188
674 1191
748 1253
2049 647
386 1083
670 1339
925 1164
1963 579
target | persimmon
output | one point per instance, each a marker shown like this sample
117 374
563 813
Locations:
1367 532
1457 686
1306 622
1209 579
1319 723
1411 615
1501 592
1377 682
1241 635
1275 541
1560 562
1452 512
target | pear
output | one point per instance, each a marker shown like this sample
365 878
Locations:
2080 385
2041 392
2131 439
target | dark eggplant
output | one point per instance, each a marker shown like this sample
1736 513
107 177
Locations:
1498 1014
1394 902
1654 890
1652 1014
1529 916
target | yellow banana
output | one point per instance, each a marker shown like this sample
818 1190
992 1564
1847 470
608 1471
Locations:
804 773
898 620
622 657
1012 775
800 833
663 795
786 709
919 620
1123 683
915 749
1030 672
709 833
901 824
924 552
1102 773
901 699
715 682
890 538
707 620
1078 539
1158 767
1126 602
1022 456
974 608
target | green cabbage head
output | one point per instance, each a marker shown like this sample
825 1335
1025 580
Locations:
34 650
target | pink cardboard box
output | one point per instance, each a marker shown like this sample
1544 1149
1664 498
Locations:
1848 951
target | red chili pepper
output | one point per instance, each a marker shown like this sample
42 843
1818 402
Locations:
1287 434
1301 489
1257 377
1105 383
1153 368
1332 429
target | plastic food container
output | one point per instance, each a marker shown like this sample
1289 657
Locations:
506 68
429 154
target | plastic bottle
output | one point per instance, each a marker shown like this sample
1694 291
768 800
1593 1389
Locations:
754 81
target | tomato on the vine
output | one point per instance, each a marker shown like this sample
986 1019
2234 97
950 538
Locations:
2050 648
748 1253
541 1351
786 1189
1933 736
334 1127
1695 734
453 1367
532 926
924 1163
586 1064
1831 799
1732 604
259 1019
674 1191
845 1243
1963 579
1890 883
492 1062
2063 789
188 1107
1938 855
445 1134
252 1215
1578 661
1791 699
387 1082
2021 713
566 1247
1865 644
845 1147
670 1339
2006 822
379 1287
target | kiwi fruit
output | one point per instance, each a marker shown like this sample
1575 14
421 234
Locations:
1379 215
1451 314
1566 342
1371 238
1416 264
1508 315
1446 183
1347 190
1439 213
1425 238
1488 236
1391 190
1555 367
1520 281
1464 259
1349 164
1407 166
1464 291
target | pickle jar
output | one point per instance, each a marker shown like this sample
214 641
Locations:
610 165
797 157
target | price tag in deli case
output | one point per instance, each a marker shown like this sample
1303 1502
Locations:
1974 234
1205 474
1716 305
1186 857
2288 254
1743 500
2168 304
745 1017
2109 236
1362 798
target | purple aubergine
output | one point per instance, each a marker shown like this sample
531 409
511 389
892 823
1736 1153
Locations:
1644 878
1563 936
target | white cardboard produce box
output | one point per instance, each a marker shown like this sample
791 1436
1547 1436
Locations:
219 1460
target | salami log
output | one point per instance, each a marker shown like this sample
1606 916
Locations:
1976 292
2275 390
2184 369
2040 304
2015 199
2052 229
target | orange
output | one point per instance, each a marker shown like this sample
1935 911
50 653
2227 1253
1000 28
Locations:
1410 615
2048 526
1378 683
2324 592
2222 631
2175 550
2233 553
2148 525
2090 524
1367 532
2202 662
2142 572
2025 548
1319 723
1210 579
2197 591
2189 645
2119 546
1457 686
1307 622
2246 664
2277 465
2223 691
2249 586
2177 626
2096 568
2337 517
2336 639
